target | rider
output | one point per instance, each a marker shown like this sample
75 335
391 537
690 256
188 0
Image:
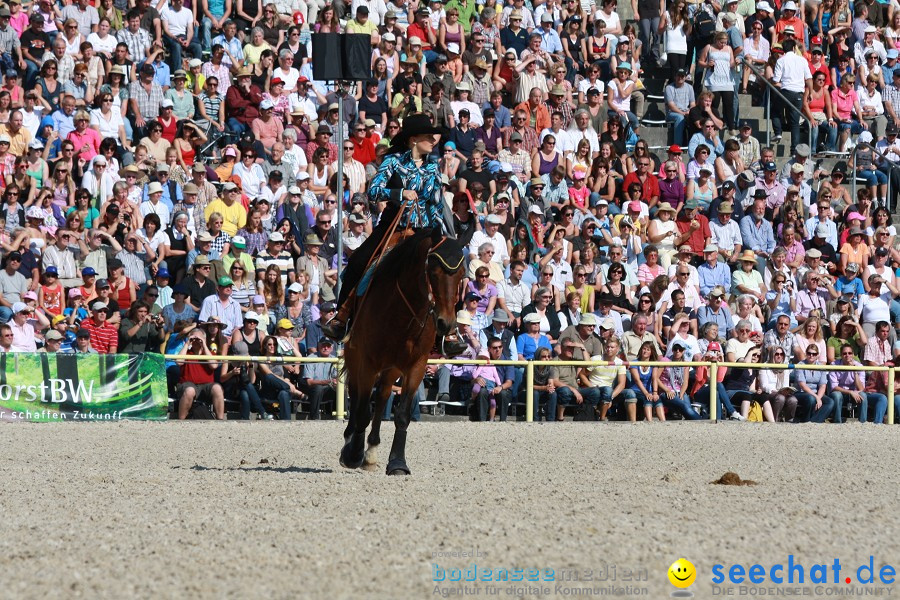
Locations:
410 181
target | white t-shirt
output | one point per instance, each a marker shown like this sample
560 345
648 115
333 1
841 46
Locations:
107 45
289 77
107 128
178 22
611 20
585 84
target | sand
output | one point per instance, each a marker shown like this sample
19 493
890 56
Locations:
249 510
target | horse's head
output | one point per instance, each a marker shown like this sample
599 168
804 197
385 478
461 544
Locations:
445 271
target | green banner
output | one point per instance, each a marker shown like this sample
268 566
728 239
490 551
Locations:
39 387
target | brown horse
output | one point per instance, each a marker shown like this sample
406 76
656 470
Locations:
410 300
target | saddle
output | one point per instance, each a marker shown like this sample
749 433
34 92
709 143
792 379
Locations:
390 243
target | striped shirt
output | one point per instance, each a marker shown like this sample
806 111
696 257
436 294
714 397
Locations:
230 313
104 337
138 43
148 103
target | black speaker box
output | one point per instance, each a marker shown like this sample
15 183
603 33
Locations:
341 56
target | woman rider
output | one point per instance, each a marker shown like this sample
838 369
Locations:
409 179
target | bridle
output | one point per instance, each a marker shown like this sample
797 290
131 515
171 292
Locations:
432 305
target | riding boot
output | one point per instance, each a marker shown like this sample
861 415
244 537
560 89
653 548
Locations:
336 328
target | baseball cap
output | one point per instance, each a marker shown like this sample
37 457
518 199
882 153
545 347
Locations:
225 281
239 241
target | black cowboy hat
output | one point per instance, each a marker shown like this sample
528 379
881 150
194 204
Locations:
415 124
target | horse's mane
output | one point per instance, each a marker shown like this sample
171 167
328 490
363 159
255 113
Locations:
403 253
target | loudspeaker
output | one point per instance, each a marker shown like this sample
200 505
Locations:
357 57
342 56
326 56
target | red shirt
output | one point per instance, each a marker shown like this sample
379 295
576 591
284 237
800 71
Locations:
365 149
53 299
104 337
415 30
198 373
650 187
823 68
697 241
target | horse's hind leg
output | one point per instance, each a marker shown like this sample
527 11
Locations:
360 389
380 395
402 415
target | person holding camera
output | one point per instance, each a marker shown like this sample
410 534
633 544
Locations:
198 379
140 331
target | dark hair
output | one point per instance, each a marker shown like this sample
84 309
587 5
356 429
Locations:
152 218
107 145
132 312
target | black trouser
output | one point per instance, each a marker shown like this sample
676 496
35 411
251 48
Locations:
727 99
317 395
359 260
794 100
483 400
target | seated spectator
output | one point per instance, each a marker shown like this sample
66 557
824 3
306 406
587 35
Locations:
813 404
197 383
568 382
492 385
320 379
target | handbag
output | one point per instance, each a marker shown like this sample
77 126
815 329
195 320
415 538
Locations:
756 413
585 412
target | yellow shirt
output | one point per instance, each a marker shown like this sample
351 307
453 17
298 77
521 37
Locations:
235 215
18 143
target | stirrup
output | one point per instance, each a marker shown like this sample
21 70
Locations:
451 346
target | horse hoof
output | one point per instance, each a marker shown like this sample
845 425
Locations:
396 467
351 462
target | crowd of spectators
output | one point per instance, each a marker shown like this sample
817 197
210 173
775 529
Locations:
169 182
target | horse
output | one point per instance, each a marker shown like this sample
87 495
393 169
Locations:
409 300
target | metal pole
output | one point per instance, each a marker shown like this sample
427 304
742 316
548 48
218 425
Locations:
768 119
853 177
340 189
339 391
713 396
890 395
529 394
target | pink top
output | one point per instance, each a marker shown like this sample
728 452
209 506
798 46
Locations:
843 104
579 197
794 251
90 137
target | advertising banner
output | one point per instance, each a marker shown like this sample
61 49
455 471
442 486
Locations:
40 387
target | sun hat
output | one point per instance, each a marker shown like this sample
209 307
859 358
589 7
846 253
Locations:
463 318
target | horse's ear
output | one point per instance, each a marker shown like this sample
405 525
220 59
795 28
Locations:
436 235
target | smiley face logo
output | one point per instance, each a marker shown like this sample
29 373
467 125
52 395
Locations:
682 573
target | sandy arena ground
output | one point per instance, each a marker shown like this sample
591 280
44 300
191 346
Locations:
139 510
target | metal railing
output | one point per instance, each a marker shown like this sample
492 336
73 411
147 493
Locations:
340 406
797 109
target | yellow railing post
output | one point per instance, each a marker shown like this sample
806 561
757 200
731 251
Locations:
529 392
890 397
339 391
713 389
